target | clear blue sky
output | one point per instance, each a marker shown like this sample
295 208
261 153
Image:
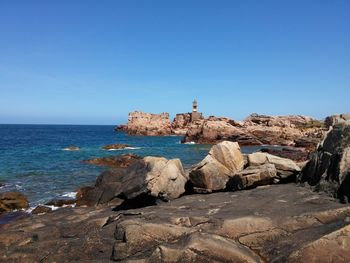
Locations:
91 62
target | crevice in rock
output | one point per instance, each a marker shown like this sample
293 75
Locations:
140 201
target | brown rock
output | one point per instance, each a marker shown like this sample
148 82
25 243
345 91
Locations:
115 146
72 148
41 209
59 202
12 201
214 171
141 123
120 161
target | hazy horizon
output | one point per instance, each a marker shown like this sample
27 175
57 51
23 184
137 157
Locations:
83 62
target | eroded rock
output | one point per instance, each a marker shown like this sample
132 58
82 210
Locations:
10 201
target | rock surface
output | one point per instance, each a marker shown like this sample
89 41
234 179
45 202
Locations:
279 223
337 119
10 201
72 148
141 123
147 178
329 168
119 161
223 161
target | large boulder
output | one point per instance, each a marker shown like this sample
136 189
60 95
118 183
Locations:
286 168
10 201
150 177
223 162
329 168
337 119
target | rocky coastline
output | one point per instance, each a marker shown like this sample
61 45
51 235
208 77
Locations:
151 209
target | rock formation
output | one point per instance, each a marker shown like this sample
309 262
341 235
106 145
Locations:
213 172
141 123
10 201
119 161
180 123
257 130
329 168
337 119
148 178
115 146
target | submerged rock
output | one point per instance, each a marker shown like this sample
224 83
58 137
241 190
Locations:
119 161
41 209
329 168
115 146
10 201
72 148
213 172
59 202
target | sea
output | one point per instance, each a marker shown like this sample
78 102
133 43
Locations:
33 159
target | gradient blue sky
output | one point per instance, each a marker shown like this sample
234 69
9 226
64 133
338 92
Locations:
91 62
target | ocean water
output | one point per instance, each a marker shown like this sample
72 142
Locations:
34 162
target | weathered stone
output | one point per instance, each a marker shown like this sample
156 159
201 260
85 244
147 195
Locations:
115 146
41 209
141 123
119 161
253 176
329 168
12 201
333 247
213 172
156 177
285 167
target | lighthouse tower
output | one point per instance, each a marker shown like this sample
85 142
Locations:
195 115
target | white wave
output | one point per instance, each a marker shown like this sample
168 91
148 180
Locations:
126 148
190 143
70 194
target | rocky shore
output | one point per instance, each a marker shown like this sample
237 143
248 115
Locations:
153 210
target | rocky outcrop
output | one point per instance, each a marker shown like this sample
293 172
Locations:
337 119
213 172
149 178
180 124
115 146
10 201
119 161
258 130
280 223
141 123
329 168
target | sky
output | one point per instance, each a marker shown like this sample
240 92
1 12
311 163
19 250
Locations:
92 62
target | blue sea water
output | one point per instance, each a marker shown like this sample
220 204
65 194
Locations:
34 162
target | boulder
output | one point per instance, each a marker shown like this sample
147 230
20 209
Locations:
41 209
12 201
119 161
61 201
285 167
329 168
223 162
293 153
115 146
337 119
253 176
147 178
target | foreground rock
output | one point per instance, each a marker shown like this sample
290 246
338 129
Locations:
280 223
329 168
337 119
10 201
119 161
148 179
213 172
115 146
141 123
